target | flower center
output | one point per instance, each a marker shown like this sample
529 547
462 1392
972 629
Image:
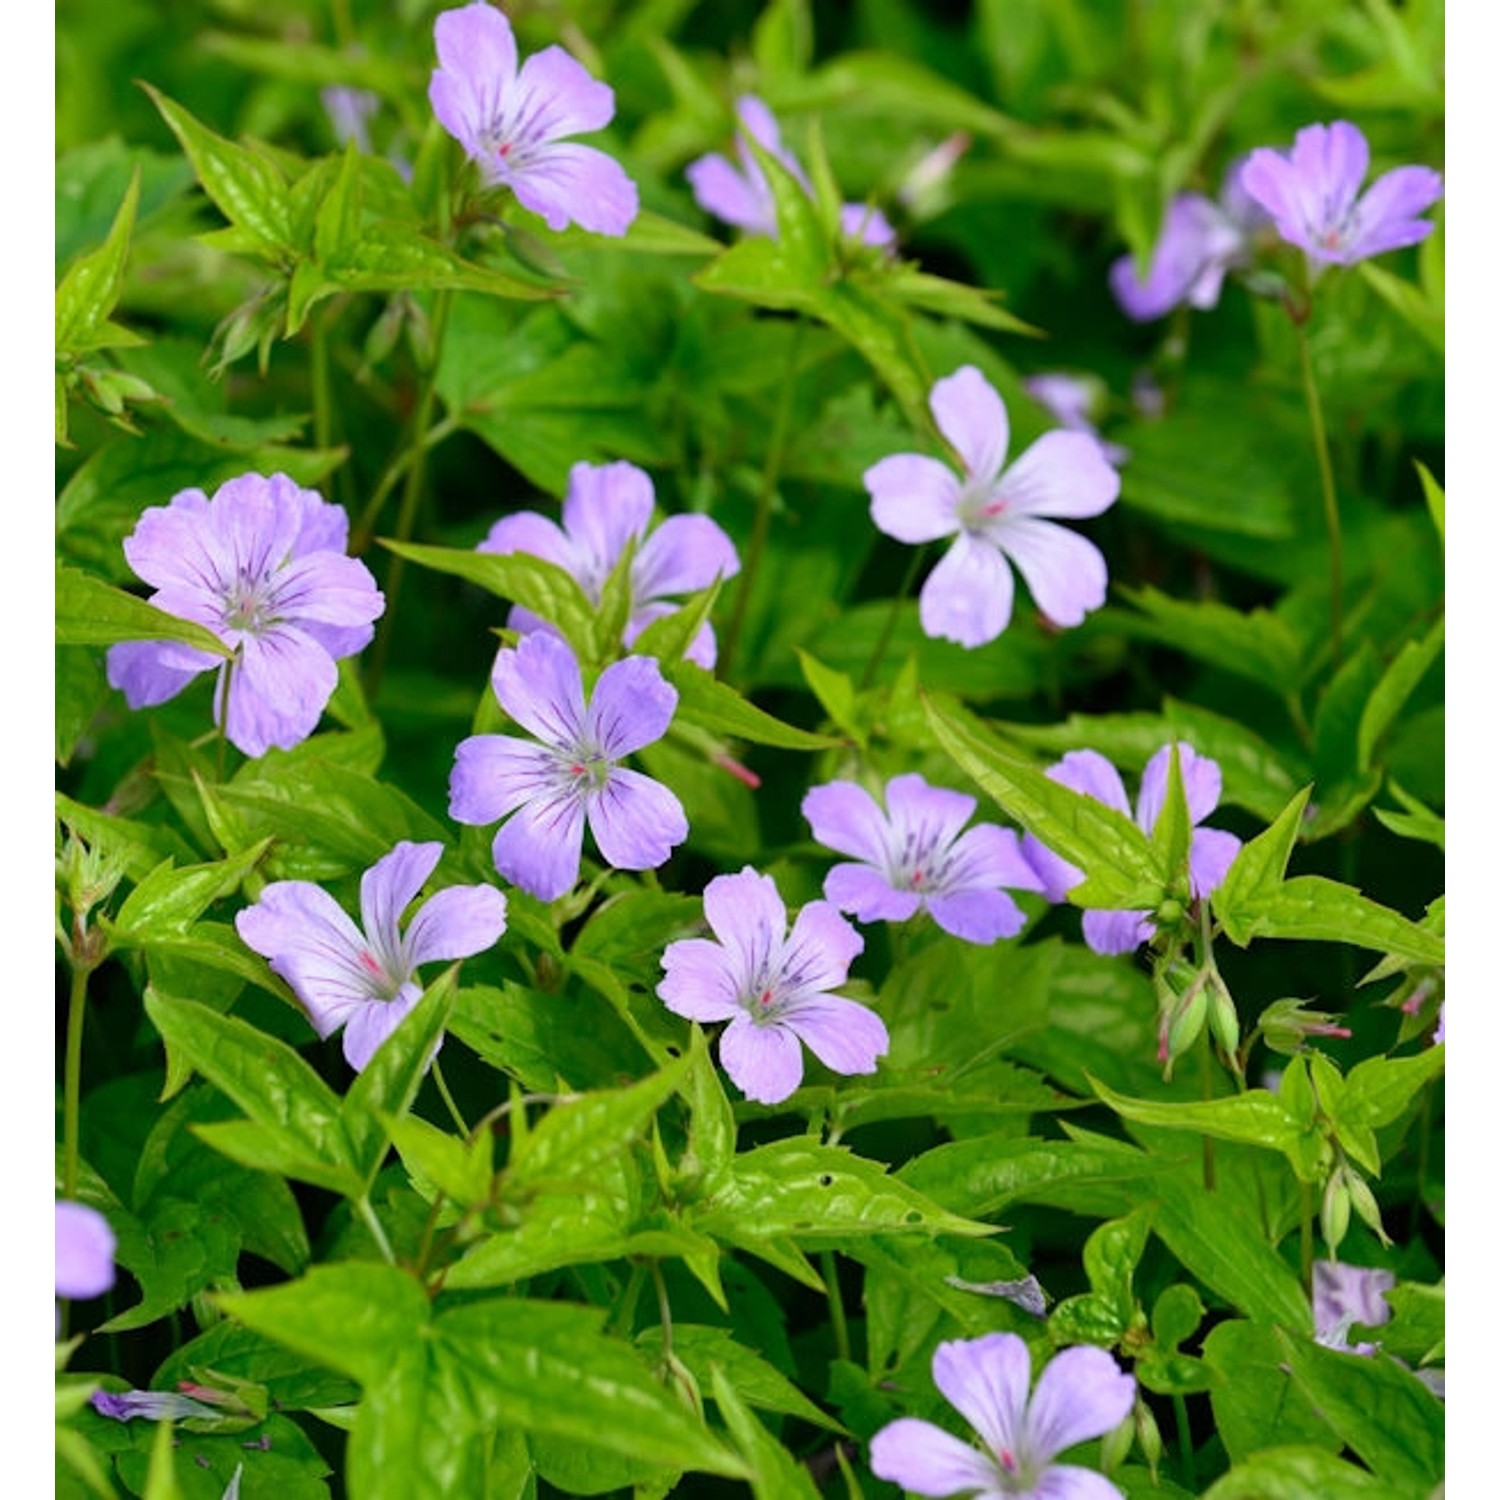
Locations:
979 507
922 864
249 605
383 983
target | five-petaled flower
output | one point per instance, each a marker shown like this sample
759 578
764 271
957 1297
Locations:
1343 1295
996 515
1200 241
1312 192
1081 1394
366 980
915 855
772 988
741 195
546 792
512 122
607 507
1211 853
262 565
84 1251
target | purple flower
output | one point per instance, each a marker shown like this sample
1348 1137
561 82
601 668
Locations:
262 566
1211 853
917 856
84 1247
349 112
772 988
154 1406
1343 1295
607 507
548 791
1200 240
741 195
366 980
995 517
1081 1394
512 123
1313 195
1070 400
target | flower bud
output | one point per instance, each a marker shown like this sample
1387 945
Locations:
1115 1446
1285 1025
1365 1205
1335 1210
1223 1018
1148 1435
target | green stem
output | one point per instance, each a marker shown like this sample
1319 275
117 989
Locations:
665 1310
892 615
343 24
836 1306
623 1315
364 528
770 474
1307 1238
322 383
1330 494
224 715
73 1077
411 495
377 1232
442 1088
1185 1443
1206 1073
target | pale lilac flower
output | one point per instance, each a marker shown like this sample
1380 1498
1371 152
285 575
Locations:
1200 240
153 1406
262 565
365 979
741 195
1312 192
512 123
915 855
1343 1295
349 112
84 1250
547 792
997 516
1070 400
1081 1394
925 190
1441 1032
1211 853
607 507
772 988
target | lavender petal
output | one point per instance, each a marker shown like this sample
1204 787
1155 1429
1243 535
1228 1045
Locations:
971 415
925 1460
1081 1394
764 1062
968 596
636 821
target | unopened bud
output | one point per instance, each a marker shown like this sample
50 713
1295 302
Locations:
1117 1443
1286 1026
1335 1210
1180 1027
1148 1435
1223 1018
1365 1205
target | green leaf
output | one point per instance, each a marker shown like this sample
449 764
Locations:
87 294
532 582
1172 836
1379 1090
1379 1408
439 1162
774 1473
386 1086
713 705
296 1114
1432 491
757 1382
1296 1473
572 1138
1394 688
1258 1118
247 186
1257 645
1256 1403
91 612
168 901
802 244
820 1195
1123 870
1410 303
952 299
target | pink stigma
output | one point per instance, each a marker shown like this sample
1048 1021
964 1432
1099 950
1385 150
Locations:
370 964
1007 1460
994 508
765 997
917 878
